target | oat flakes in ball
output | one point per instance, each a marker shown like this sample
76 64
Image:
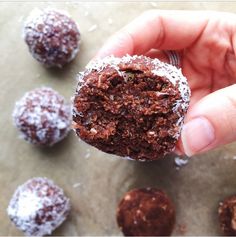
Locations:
132 106
42 116
52 37
38 207
146 212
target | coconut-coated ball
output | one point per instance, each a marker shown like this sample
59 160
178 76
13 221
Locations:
38 207
146 212
132 106
52 37
42 116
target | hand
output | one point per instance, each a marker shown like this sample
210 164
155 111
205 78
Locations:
206 42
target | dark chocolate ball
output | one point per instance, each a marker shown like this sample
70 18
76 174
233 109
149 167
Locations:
132 106
227 216
52 37
38 207
42 116
146 212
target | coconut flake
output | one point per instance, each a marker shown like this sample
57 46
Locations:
76 185
92 28
179 162
153 4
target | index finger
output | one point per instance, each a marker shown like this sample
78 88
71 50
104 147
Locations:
159 29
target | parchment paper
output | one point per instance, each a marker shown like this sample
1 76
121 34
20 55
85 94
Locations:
95 181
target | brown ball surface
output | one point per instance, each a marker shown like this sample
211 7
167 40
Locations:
52 37
227 216
38 207
146 212
132 106
42 116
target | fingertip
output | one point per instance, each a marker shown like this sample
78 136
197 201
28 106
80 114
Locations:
197 135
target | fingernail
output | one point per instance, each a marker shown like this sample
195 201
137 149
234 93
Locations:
196 135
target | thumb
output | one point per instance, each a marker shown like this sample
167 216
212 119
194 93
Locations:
210 122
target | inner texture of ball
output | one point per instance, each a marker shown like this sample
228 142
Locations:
132 106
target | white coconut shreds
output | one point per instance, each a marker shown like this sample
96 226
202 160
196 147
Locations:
42 117
38 207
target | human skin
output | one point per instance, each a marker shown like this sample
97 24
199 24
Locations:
206 42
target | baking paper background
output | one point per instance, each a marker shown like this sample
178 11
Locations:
96 181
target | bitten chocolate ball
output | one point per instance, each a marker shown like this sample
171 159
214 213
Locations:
132 106
38 207
146 212
52 37
227 216
43 117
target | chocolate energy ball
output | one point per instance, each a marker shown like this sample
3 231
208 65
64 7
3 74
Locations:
43 117
132 106
146 212
52 37
38 207
227 216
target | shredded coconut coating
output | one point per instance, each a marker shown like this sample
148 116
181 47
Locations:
52 37
132 106
42 117
38 207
